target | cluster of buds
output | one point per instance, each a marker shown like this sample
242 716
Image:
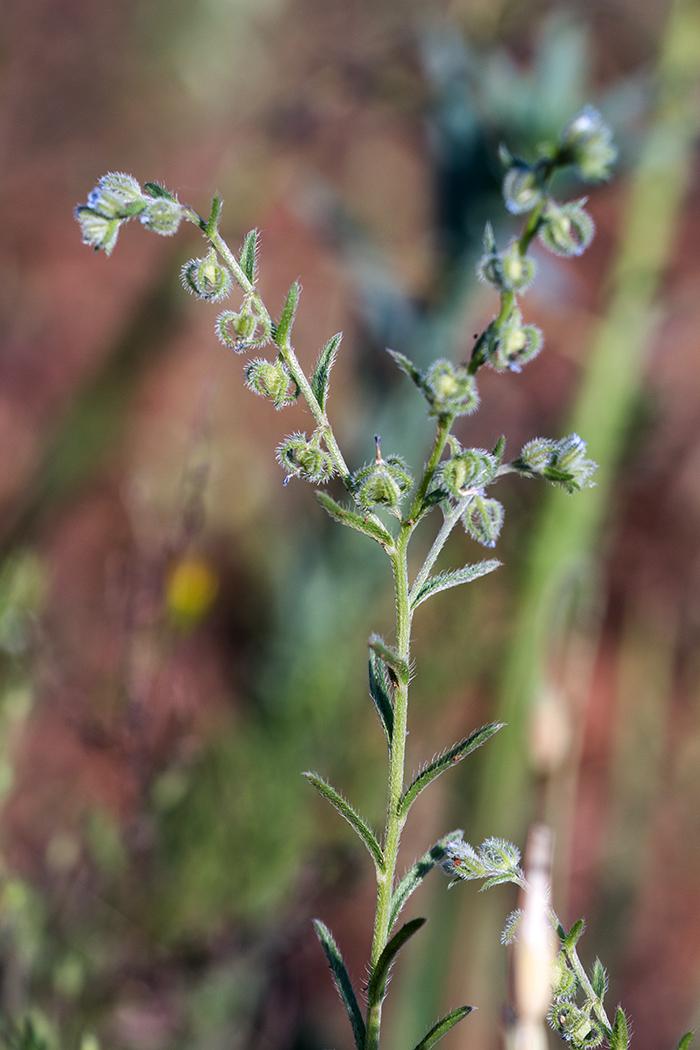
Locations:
383 482
563 462
118 198
495 861
587 143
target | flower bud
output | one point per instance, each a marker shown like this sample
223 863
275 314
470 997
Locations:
116 196
483 520
512 344
97 231
383 482
469 469
163 216
510 272
207 278
241 330
566 229
521 188
450 389
586 142
304 458
269 379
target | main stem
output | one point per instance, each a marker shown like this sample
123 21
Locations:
397 752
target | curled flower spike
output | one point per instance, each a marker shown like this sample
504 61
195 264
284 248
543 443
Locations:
207 278
563 462
115 196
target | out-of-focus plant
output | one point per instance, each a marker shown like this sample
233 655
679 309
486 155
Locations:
387 505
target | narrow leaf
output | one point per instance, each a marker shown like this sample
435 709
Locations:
284 325
619 1036
443 1026
685 1041
415 875
342 981
598 979
247 258
369 525
443 580
391 658
377 982
571 938
380 692
214 214
352 817
153 189
408 368
445 761
322 371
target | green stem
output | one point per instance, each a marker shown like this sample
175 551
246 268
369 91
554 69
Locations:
440 540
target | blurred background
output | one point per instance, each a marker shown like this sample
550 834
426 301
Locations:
181 636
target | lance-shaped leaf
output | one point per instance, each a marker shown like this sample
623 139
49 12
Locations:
619 1038
154 189
570 939
415 875
380 691
599 980
444 580
369 524
342 982
449 758
353 818
391 658
248 256
322 371
443 1026
377 982
284 325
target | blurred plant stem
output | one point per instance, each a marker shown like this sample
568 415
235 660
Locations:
567 542
569 535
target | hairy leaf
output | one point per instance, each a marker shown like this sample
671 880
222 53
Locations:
443 580
391 658
342 982
154 189
352 817
598 979
443 1026
377 982
619 1036
368 524
380 692
415 874
445 761
322 371
685 1041
284 325
248 256
570 939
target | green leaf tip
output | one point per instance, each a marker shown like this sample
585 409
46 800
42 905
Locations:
322 371
685 1041
342 982
283 327
249 254
442 1027
442 581
391 658
450 758
619 1036
353 818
